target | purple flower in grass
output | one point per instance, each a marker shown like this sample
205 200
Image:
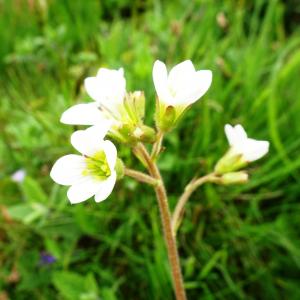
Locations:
46 259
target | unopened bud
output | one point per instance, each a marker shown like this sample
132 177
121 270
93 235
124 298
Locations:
138 132
126 132
148 135
230 162
234 178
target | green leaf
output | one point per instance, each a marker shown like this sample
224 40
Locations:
32 191
74 286
20 212
211 263
27 213
70 285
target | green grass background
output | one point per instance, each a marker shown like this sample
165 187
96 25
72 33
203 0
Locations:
239 242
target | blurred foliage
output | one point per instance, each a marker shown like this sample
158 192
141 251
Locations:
235 242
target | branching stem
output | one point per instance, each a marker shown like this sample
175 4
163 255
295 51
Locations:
157 145
142 177
165 214
189 189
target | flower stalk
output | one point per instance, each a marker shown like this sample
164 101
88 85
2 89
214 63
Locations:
157 147
188 191
165 214
141 177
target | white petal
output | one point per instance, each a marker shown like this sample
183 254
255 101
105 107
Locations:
108 88
254 150
105 74
240 132
230 134
90 140
83 189
181 73
201 83
111 154
82 114
193 88
106 187
121 72
235 135
160 79
68 169
91 86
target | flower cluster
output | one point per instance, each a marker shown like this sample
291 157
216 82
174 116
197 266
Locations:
117 114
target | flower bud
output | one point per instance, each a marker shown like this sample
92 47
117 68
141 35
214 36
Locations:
120 168
230 162
126 132
233 178
130 133
146 134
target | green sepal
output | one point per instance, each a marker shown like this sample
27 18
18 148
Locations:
165 117
139 104
230 162
134 104
120 169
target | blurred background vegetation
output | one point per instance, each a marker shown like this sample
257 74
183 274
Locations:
236 242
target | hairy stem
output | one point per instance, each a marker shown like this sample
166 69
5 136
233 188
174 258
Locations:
167 226
157 146
139 176
189 189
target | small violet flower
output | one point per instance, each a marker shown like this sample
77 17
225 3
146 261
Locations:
243 150
47 259
177 90
94 172
18 176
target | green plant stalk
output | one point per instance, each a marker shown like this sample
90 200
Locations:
157 145
189 189
142 177
165 214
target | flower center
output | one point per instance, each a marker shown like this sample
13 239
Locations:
97 166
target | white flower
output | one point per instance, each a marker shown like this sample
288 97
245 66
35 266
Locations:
18 176
93 172
124 111
108 89
250 149
242 151
183 85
